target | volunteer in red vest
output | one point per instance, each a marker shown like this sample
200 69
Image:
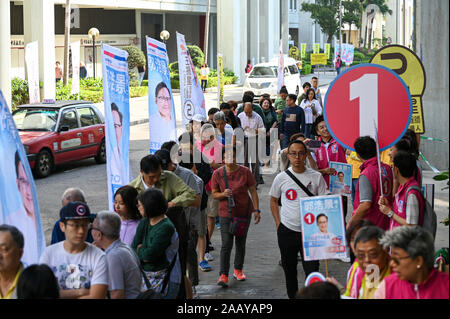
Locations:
412 260
408 205
329 151
368 190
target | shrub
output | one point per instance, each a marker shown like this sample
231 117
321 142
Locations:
19 92
197 55
173 67
306 69
358 56
135 58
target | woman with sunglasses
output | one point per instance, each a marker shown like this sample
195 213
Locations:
412 261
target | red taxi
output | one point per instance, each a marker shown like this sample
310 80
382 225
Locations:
60 132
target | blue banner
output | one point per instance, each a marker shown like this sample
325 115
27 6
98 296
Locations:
19 205
341 180
161 106
323 229
117 118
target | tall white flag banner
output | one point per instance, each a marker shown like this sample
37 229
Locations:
192 98
19 205
280 69
32 61
161 107
75 46
117 118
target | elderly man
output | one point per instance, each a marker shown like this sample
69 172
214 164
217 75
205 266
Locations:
72 194
125 277
251 122
11 251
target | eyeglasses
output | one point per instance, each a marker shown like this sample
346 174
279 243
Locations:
299 154
163 98
91 227
370 256
75 225
396 260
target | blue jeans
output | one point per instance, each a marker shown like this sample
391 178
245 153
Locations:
204 84
354 183
172 291
284 142
308 129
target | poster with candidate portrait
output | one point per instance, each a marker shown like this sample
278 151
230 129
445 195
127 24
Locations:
341 180
347 53
117 118
162 122
323 229
192 98
19 204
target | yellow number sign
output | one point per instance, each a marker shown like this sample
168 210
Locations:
408 66
320 58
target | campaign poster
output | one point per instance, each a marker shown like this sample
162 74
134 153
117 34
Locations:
327 50
19 204
32 61
316 48
323 229
347 53
303 50
280 69
75 47
161 107
341 180
192 98
220 80
117 118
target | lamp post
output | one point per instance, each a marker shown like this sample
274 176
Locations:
164 35
93 33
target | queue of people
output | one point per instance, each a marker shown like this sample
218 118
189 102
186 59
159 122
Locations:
159 235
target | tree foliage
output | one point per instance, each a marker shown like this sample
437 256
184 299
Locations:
352 14
326 14
380 3
197 55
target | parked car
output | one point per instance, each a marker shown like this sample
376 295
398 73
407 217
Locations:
60 132
263 78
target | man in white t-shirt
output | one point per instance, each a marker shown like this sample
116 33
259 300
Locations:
79 267
288 218
321 243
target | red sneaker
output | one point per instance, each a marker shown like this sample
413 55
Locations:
223 280
239 275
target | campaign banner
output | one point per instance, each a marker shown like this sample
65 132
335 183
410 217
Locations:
323 229
316 48
161 106
347 53
327 50
303 50
319 58
32 62
19 204
341 180
75 48
117 118
192 98
280 69
220 80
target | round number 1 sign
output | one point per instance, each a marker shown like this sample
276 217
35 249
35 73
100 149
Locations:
366 97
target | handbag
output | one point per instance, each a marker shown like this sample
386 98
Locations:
238 225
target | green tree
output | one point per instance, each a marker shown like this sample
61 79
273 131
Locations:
197 55
380 3
135 58
326 14
352 15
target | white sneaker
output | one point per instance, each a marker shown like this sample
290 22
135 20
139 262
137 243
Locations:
209 257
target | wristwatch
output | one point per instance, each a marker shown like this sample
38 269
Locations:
390 214
257 211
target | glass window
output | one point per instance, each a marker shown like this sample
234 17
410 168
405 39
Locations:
34 119
293 69
87 116
70 119
264 72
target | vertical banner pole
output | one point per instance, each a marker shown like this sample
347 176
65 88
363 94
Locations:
378 157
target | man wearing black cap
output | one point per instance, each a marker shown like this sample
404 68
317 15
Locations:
79 267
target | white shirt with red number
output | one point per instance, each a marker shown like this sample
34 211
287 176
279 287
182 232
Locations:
284 186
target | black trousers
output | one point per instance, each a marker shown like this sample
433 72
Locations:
290 243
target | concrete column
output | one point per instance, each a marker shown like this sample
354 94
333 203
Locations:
39 25
284 8
139 28
232 35
5 51
255 30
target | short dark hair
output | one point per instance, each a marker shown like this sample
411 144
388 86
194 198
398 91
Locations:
164 156
168 145
318 119
321 215
306 84
296 142
150 164
153 202
355 227
411 136
225 106
341 173
213 111
314 78
160 86
247 98
16 234
296 136
406 163
319 290
365 147
250 93
129 195
369 233
283 90
403 145
292 97
186 136
37 282
114 107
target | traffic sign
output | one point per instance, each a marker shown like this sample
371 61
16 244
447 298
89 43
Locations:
409 67
364 97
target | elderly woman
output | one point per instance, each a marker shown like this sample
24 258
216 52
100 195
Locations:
412 259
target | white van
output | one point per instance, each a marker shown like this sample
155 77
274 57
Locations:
263 78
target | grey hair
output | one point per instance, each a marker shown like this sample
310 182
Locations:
219 116
109 224
16 234
415 240
207 126
74 194
369 233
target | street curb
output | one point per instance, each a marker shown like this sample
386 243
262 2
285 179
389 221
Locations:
137 122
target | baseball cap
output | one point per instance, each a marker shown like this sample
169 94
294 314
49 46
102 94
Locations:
199 118
75 210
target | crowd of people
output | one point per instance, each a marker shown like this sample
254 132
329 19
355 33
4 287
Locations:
159 235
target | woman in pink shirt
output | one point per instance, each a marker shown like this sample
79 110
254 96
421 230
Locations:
412 260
